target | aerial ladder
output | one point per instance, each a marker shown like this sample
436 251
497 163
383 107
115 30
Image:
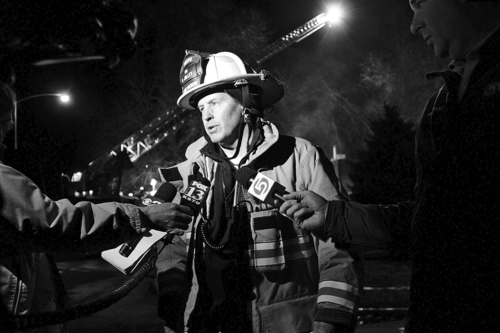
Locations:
153 133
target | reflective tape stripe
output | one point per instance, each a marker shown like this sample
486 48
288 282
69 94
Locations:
257 262
266 246
338 293
277 253
339 285
286 242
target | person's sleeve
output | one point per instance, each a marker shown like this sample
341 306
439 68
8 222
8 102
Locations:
341 270
32 220
370 225
174 280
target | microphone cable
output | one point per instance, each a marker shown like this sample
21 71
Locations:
19 323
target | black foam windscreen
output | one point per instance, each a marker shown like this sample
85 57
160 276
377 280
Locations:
245 176
166 192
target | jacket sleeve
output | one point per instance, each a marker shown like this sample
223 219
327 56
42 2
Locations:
370 225
174 281
32 221
341 270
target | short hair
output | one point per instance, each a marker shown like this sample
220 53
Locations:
7 101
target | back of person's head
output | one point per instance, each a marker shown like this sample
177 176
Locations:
7 103
203 74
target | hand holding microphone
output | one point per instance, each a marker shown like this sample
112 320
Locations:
163 214
260 186
307 209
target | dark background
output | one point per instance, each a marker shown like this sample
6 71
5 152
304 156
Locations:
55 138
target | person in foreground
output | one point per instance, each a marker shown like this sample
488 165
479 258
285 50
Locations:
243 267
452 225
31 224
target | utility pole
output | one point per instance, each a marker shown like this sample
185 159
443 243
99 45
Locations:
336 161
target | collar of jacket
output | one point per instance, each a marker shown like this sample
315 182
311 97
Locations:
486 49
271 135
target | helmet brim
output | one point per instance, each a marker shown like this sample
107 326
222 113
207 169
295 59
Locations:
271 89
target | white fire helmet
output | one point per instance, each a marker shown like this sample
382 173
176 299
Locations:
203 72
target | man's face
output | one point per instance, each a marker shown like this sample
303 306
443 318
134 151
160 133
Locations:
221 118
445 25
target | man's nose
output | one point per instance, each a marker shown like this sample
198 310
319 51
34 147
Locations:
416 26
206 114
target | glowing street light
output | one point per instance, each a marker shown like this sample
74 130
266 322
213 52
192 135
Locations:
335 14
64 98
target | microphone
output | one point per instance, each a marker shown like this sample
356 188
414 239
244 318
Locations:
195 194
260 186
165 193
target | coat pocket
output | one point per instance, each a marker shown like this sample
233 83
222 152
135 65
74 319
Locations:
266 249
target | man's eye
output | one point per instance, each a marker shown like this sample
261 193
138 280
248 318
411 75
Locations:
419 4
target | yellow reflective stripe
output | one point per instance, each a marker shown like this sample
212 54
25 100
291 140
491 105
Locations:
266 246
267 261
339 293
276 253
336 300
286 243
339 285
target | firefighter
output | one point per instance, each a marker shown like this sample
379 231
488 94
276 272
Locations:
242 267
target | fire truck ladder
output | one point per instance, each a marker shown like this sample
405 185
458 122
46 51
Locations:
157 130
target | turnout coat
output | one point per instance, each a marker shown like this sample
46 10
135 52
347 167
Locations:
297 278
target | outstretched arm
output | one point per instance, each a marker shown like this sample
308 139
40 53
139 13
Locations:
30 219
347 221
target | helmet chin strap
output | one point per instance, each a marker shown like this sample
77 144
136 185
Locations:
241 130
245 120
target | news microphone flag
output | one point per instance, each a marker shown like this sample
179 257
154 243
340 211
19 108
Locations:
195 194
260 186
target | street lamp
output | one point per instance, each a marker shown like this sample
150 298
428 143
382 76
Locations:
64 98
335 14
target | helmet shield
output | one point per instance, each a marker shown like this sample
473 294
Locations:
192 71
204 72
